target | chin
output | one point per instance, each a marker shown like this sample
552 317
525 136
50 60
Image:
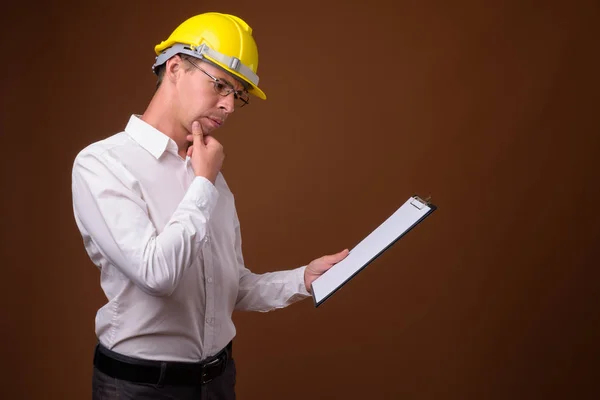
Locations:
208 128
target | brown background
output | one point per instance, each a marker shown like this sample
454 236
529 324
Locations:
489 107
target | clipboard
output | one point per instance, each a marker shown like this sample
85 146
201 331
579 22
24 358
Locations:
404 219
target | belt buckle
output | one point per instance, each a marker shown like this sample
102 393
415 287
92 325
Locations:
204 377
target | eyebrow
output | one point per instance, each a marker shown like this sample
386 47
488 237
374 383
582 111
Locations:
231 84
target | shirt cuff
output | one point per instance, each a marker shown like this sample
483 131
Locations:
301 286
203 194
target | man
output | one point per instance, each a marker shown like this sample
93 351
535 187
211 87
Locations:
159 220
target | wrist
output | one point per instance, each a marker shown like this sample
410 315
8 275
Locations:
307 281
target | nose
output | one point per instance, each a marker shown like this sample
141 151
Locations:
227 103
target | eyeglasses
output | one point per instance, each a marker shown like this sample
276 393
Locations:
241 97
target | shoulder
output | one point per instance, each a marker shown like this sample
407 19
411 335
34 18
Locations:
102 150
103 159
100 147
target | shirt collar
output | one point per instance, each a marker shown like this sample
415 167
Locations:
150 138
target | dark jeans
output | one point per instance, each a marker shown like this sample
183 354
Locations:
105 387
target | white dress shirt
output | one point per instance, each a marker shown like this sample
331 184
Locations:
168 247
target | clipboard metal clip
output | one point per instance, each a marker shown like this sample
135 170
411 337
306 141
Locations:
419 202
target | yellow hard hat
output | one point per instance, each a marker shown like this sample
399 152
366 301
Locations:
223 39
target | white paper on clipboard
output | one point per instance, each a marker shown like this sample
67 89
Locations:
413 211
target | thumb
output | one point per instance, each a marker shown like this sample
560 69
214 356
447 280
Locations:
334 258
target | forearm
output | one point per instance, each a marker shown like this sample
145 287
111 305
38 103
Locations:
114 216
158 264
271 290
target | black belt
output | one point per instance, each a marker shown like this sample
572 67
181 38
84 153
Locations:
160 372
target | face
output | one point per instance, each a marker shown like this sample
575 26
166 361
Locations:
197 98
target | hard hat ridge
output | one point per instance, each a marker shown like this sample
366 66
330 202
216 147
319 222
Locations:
222 39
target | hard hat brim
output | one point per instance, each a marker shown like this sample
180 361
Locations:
253 89
205 53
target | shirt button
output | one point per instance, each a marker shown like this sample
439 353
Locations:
209 320
209 280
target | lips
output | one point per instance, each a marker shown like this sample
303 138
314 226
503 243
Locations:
216 121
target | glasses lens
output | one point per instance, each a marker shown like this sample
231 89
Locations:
222 88
241 99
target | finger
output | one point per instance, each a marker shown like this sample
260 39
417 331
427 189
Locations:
334 258
209 140
198 134
190 150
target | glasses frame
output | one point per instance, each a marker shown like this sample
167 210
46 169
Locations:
228 89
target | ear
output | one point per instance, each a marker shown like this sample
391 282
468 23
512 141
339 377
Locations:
174 68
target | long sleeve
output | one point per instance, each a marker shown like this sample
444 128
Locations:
267 291
111 213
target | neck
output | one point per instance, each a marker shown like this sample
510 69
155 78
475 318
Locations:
160 115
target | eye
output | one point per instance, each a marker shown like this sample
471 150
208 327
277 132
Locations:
220 86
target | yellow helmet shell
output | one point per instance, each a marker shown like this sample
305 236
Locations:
223 39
